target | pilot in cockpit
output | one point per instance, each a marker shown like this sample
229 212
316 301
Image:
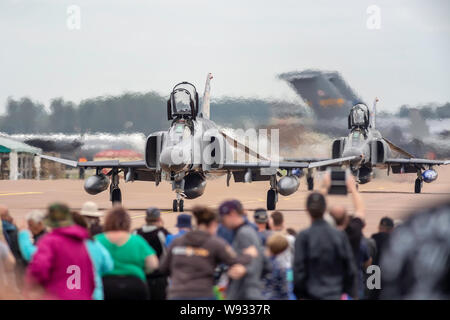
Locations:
358 118
182 102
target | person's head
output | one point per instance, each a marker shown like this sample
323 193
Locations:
89 210
152 216
117 219
277 221
232 214
206 219
35 221
79 220
316 205
386 225
276 244
339 214
58 215
261 218
4 214
184 222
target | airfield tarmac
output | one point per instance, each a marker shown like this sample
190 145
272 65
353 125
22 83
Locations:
384 196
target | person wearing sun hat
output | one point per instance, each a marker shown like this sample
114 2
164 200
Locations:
59 251
90 213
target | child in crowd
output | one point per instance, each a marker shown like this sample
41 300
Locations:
276 282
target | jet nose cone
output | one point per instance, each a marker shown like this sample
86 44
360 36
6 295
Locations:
173 159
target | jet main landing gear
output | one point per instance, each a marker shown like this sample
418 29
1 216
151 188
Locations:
272 194
115 195
418 185
310 180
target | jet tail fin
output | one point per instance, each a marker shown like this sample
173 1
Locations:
325 92
205 112
373 117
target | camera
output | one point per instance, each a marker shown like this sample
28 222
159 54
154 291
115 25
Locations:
338 181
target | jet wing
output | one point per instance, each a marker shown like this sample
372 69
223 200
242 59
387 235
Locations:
398 149
98 164
416 161
261 165
331 162
244 148
306 159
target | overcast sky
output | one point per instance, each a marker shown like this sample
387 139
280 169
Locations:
142 45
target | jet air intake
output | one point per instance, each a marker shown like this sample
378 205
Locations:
194 185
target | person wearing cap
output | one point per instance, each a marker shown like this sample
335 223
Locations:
184 225
61 263
90 212
323 260
155 234
250 286
261 221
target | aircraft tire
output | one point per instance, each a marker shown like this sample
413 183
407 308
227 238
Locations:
310 182
116 196
181 205
418 186
271 199
175 206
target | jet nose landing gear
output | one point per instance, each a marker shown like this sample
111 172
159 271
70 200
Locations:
178 203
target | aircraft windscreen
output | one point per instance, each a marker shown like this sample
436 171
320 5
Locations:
358 117
182 102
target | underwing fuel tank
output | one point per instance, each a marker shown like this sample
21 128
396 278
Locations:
288 185
429 175
96 184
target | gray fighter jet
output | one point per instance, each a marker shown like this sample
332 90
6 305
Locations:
370 150
192 150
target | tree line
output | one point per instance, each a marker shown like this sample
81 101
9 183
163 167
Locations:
125 113
146 113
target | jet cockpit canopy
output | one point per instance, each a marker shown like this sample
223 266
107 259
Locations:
358 117
183 102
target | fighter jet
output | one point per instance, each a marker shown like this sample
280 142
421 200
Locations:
370 150
191 151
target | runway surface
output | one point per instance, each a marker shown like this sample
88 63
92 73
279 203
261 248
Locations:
385 196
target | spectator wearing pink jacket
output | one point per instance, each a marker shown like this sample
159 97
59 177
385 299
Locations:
61 264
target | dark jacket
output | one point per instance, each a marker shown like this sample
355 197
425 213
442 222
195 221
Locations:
323 263
155 237
190 261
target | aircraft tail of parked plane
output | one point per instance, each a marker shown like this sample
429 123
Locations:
325 92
